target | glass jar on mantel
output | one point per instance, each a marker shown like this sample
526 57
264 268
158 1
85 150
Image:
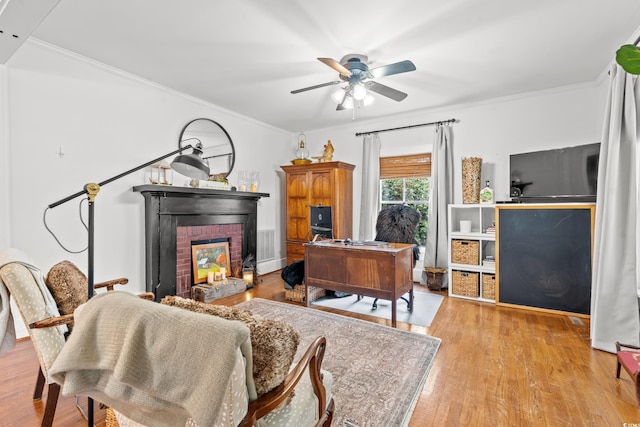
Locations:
254 181
160 173
248 181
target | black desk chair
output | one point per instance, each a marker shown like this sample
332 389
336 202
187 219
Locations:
398 224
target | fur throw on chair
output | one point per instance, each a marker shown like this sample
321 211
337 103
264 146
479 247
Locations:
398 224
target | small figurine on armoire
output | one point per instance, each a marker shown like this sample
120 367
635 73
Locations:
327 154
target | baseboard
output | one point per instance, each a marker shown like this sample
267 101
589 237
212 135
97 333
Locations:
417 274
270 266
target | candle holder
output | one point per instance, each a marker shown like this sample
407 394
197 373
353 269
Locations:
247 276
161 173
243 179
249 273
254 181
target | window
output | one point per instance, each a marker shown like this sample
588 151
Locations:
406 179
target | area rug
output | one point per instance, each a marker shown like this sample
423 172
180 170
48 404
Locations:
425 307
378 371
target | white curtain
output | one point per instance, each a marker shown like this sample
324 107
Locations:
436 247
615 285
370 195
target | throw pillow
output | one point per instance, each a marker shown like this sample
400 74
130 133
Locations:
68 286
274 344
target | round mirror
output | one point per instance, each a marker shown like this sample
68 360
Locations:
217 147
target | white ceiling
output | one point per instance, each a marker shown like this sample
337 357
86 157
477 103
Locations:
247 55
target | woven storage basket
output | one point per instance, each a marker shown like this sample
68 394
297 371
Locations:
489 286
465 252
434 277
465 283
297 293
111 420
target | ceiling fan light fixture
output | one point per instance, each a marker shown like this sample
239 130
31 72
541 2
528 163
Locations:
355 72
348 103
338 95
368 100
359 91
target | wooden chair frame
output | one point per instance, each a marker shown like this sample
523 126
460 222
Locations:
634 375
53 390
271 400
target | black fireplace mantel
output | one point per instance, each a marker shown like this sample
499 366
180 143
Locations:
167 208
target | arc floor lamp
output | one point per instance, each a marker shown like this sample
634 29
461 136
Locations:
191 165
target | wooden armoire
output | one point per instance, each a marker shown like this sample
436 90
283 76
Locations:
325 184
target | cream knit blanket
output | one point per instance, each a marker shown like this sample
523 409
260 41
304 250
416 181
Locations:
157 365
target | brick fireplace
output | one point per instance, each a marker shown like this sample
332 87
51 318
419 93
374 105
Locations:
173 213
186 235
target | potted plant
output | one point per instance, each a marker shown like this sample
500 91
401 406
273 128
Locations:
628 57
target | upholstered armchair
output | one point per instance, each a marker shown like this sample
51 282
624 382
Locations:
46 305
187 363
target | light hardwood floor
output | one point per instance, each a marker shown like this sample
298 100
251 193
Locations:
496 366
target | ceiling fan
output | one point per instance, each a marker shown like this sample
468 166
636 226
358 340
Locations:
353 69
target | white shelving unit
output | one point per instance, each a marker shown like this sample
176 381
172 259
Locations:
481 217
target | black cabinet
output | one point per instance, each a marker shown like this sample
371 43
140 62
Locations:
544 255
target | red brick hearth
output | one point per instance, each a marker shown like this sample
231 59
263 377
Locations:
187 234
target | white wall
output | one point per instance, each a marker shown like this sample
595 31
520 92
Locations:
68 121
73 121
4 161
492 130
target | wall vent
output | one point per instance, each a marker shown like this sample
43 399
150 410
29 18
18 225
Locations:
266 245
576 321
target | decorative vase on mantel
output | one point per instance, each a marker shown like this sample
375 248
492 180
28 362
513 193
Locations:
471 168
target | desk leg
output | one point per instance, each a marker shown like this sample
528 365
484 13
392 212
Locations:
410 307
394 306
306 295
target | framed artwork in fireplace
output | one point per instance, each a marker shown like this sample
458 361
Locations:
209 257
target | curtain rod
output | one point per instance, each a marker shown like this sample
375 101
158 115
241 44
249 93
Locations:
407 127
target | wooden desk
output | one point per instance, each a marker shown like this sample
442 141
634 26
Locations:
383 272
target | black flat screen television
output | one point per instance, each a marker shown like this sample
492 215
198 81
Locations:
554 176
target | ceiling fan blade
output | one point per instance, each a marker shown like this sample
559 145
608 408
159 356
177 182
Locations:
394 94
397 68
316 86
336 66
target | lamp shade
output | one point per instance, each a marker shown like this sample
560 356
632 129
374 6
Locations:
368 100
348 103
338 95
191 165
359 92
